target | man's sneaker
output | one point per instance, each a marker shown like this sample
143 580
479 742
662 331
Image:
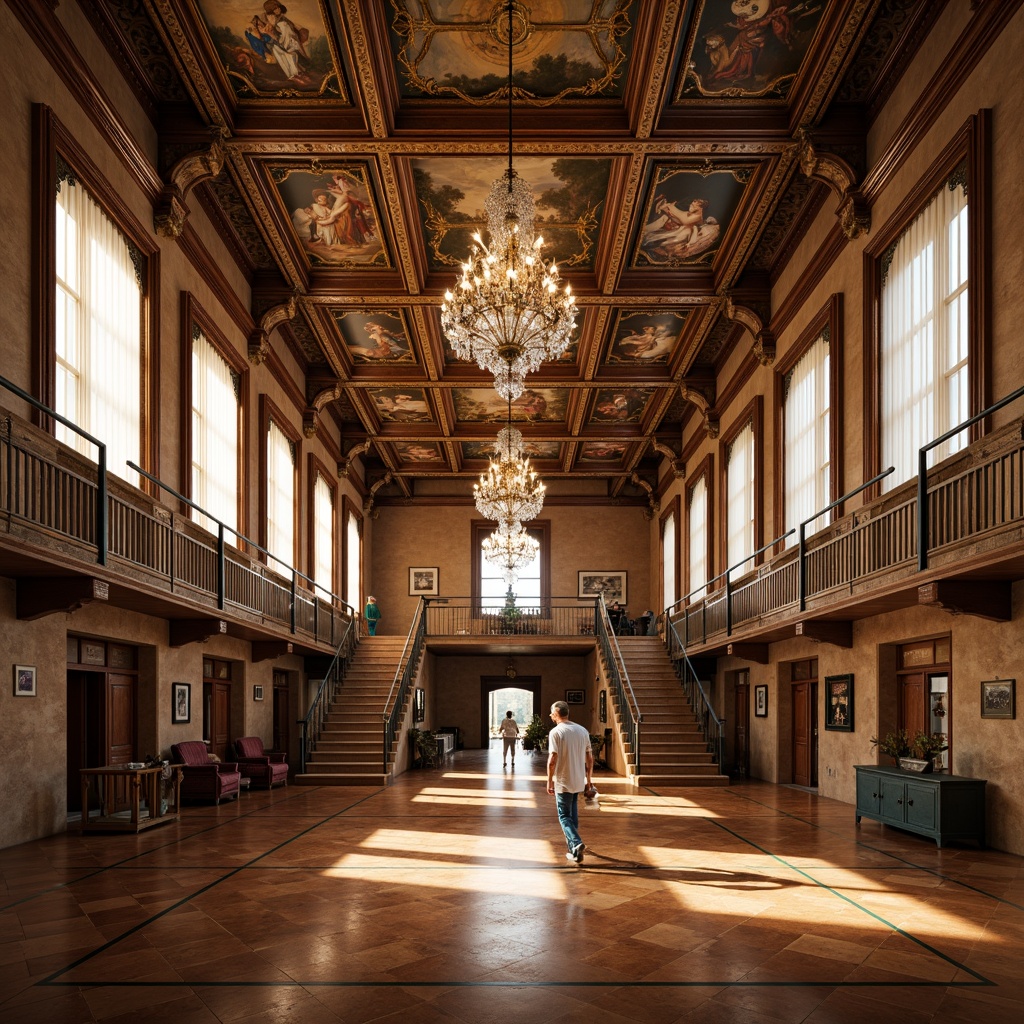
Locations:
572 857
577 854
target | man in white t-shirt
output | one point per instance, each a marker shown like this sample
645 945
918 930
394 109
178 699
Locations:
570 764
509 730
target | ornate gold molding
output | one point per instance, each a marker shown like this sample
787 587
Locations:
311 416
677 464
368 505
702 396
750 319
347 468
652 502
834 171
273 317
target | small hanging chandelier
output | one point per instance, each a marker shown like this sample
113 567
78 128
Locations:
509 491
511 549
508 312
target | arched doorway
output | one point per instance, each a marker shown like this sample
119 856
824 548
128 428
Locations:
491 684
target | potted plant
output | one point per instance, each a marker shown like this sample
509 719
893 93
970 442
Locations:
534 734
422 748
510 614
923 749
893 744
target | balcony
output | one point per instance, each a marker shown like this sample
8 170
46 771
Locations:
68 543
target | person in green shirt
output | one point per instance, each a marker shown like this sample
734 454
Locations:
372 615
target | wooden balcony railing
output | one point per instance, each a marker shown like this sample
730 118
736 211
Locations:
49 502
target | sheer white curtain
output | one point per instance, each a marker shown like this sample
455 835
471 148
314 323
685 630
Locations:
323 534
806 425
214 437
280 496
354 553
698 535
739 483
97 331
668 559
925 336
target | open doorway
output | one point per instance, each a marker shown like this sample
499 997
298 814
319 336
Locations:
499 694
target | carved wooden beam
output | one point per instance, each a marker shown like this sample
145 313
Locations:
171 211
839 634
311 417
368 507
263 650
677 464
755 323
347 467
46 595
194 631
834 171
749 652
273 317
652 502
702 395
987 599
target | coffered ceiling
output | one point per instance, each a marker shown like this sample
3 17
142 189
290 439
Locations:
344 149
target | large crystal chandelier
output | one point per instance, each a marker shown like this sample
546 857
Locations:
511 549
508 312
509 491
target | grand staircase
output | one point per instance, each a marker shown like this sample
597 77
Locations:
349 751
672 750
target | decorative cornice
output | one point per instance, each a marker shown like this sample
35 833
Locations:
311 417
702 395
652 501
751 320
171 211
677 464
347 468
271 318
368 505
834 171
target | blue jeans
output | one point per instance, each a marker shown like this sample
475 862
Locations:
567 805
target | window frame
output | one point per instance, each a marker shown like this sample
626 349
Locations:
56 146
705 471
314 468
753 414
481 528
828 320
193 313
350 509
269 411
970 148
672 508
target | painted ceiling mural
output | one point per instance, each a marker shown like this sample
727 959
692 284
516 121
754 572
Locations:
356 142
269 49
561 48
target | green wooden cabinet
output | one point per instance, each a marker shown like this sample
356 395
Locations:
942 807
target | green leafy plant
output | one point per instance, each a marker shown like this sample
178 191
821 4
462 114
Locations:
535 735
926 745
423 744
893 744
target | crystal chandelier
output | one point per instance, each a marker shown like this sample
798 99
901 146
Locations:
508 312
511 549
509 491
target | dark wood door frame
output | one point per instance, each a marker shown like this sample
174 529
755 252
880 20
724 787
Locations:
488 684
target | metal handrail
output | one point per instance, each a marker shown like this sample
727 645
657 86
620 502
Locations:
619 677
711 726
334 599
403 678
312 725
922 472
102 520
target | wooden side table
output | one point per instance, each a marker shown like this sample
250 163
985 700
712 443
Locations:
143 784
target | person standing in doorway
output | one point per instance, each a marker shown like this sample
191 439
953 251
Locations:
372 615
509 730
570 765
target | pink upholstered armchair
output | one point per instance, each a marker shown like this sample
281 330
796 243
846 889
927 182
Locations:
201 778
264 768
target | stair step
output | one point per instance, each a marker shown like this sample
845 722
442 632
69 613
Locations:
341 779
680 781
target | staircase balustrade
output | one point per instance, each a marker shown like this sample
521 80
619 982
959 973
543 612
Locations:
711 726
313 724
404 676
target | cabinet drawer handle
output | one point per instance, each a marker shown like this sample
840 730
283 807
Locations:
910 803
900 801
874 796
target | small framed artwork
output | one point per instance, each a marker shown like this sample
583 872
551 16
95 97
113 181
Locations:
608 582
761 701
575 696
181 703
24 680
257 692
419 705
839 703
602 705
423 582
999 698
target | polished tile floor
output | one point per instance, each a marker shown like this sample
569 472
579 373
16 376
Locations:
447 897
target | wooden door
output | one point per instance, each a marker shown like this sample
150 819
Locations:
220 720
86 739
805 755
912 703
741 727
120 705
282 720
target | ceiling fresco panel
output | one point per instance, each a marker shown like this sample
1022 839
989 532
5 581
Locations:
620 405
332 214
419 452
561 49
602 451
401 405
747 48
375 336
688 212
569 192
485 405
271 51
645 337
547 450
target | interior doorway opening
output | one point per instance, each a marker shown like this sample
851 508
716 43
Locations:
495 694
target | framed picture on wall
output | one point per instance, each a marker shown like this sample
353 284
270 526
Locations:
181 703
999 698
761 701
839 703
609 582
419 705
257 692
602 705
575 696
423 582
24 680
